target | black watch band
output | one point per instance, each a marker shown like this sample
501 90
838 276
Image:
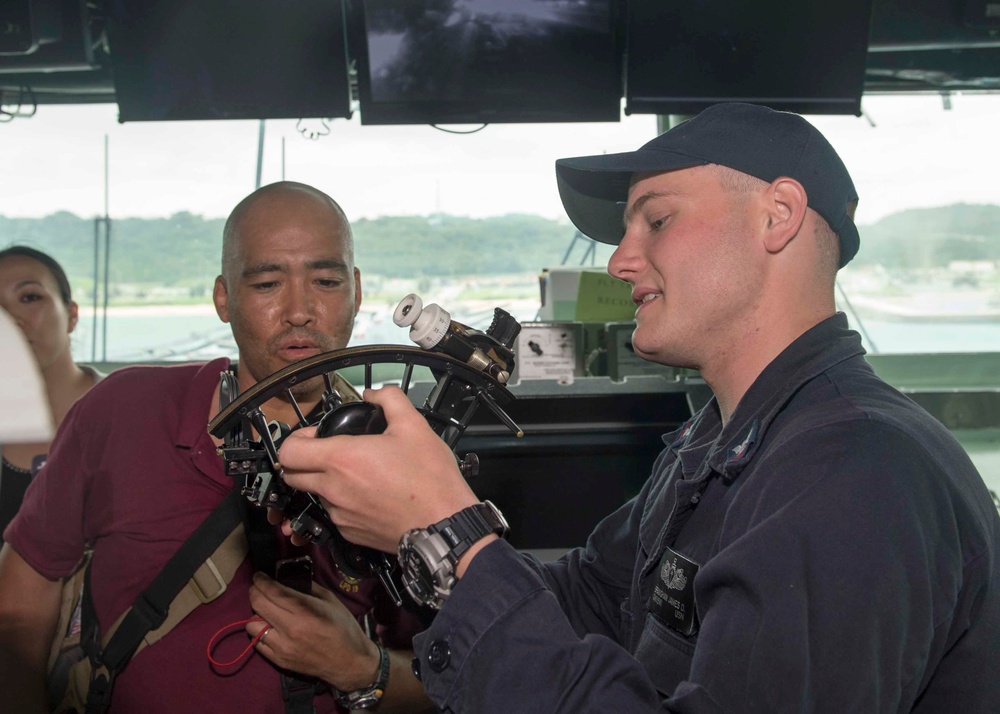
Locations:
367 697
467 527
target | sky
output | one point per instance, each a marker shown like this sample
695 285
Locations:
905 152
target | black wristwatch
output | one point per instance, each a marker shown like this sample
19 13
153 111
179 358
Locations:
367 697
428 556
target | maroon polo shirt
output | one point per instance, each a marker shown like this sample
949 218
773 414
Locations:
133 471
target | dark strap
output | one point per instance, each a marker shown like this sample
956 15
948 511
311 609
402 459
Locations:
151 608
298 692
261 539
99 691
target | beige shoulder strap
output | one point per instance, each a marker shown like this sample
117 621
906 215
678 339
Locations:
208 583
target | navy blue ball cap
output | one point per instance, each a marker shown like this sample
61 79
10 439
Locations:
749 138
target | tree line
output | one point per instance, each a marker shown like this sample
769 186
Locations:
184 249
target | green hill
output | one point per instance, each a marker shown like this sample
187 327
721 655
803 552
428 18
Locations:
929 237
182 251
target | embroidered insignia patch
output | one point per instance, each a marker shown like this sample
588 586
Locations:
348 584
672 576
682 435
742 449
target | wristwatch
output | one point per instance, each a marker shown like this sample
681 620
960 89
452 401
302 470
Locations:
428 556
370 696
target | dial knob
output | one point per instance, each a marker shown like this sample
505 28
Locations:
428 325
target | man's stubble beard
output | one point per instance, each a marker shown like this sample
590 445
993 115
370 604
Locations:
308 391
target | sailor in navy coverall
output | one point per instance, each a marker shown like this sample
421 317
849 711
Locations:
810 541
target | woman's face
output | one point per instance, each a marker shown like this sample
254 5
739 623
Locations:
29 292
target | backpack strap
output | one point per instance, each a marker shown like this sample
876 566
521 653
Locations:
153 613
297 691
262 542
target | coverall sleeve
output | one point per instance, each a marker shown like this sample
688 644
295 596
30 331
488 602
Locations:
519 635
834 593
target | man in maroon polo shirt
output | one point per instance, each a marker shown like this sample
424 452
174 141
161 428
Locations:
133 472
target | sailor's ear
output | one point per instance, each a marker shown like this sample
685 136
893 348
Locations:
784 210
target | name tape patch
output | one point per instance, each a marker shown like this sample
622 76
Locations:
672 601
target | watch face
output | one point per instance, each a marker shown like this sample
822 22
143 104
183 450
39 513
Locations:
416 575
367 701
427 573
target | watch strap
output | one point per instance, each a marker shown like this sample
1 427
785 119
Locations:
429 556
465 528
367 697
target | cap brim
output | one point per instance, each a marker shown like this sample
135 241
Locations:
594 189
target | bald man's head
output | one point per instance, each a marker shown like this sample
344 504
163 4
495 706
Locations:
289 287
281 197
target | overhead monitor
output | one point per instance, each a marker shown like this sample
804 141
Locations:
229 59
934 46
46 37
486 61
922 25
806 57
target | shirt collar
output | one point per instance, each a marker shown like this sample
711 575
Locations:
818 349
694 439
193 422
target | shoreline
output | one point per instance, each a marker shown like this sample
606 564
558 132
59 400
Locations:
201 309
375 309
924 309
147 310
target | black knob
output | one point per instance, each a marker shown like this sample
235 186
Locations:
353 418
469 466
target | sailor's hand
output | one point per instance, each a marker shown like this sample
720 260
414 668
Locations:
378 486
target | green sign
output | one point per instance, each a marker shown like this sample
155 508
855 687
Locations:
601 298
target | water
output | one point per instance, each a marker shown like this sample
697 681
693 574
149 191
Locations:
912 337
195 333
156 334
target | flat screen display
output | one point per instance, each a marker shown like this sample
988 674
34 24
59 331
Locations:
486 61
229 59
806 56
